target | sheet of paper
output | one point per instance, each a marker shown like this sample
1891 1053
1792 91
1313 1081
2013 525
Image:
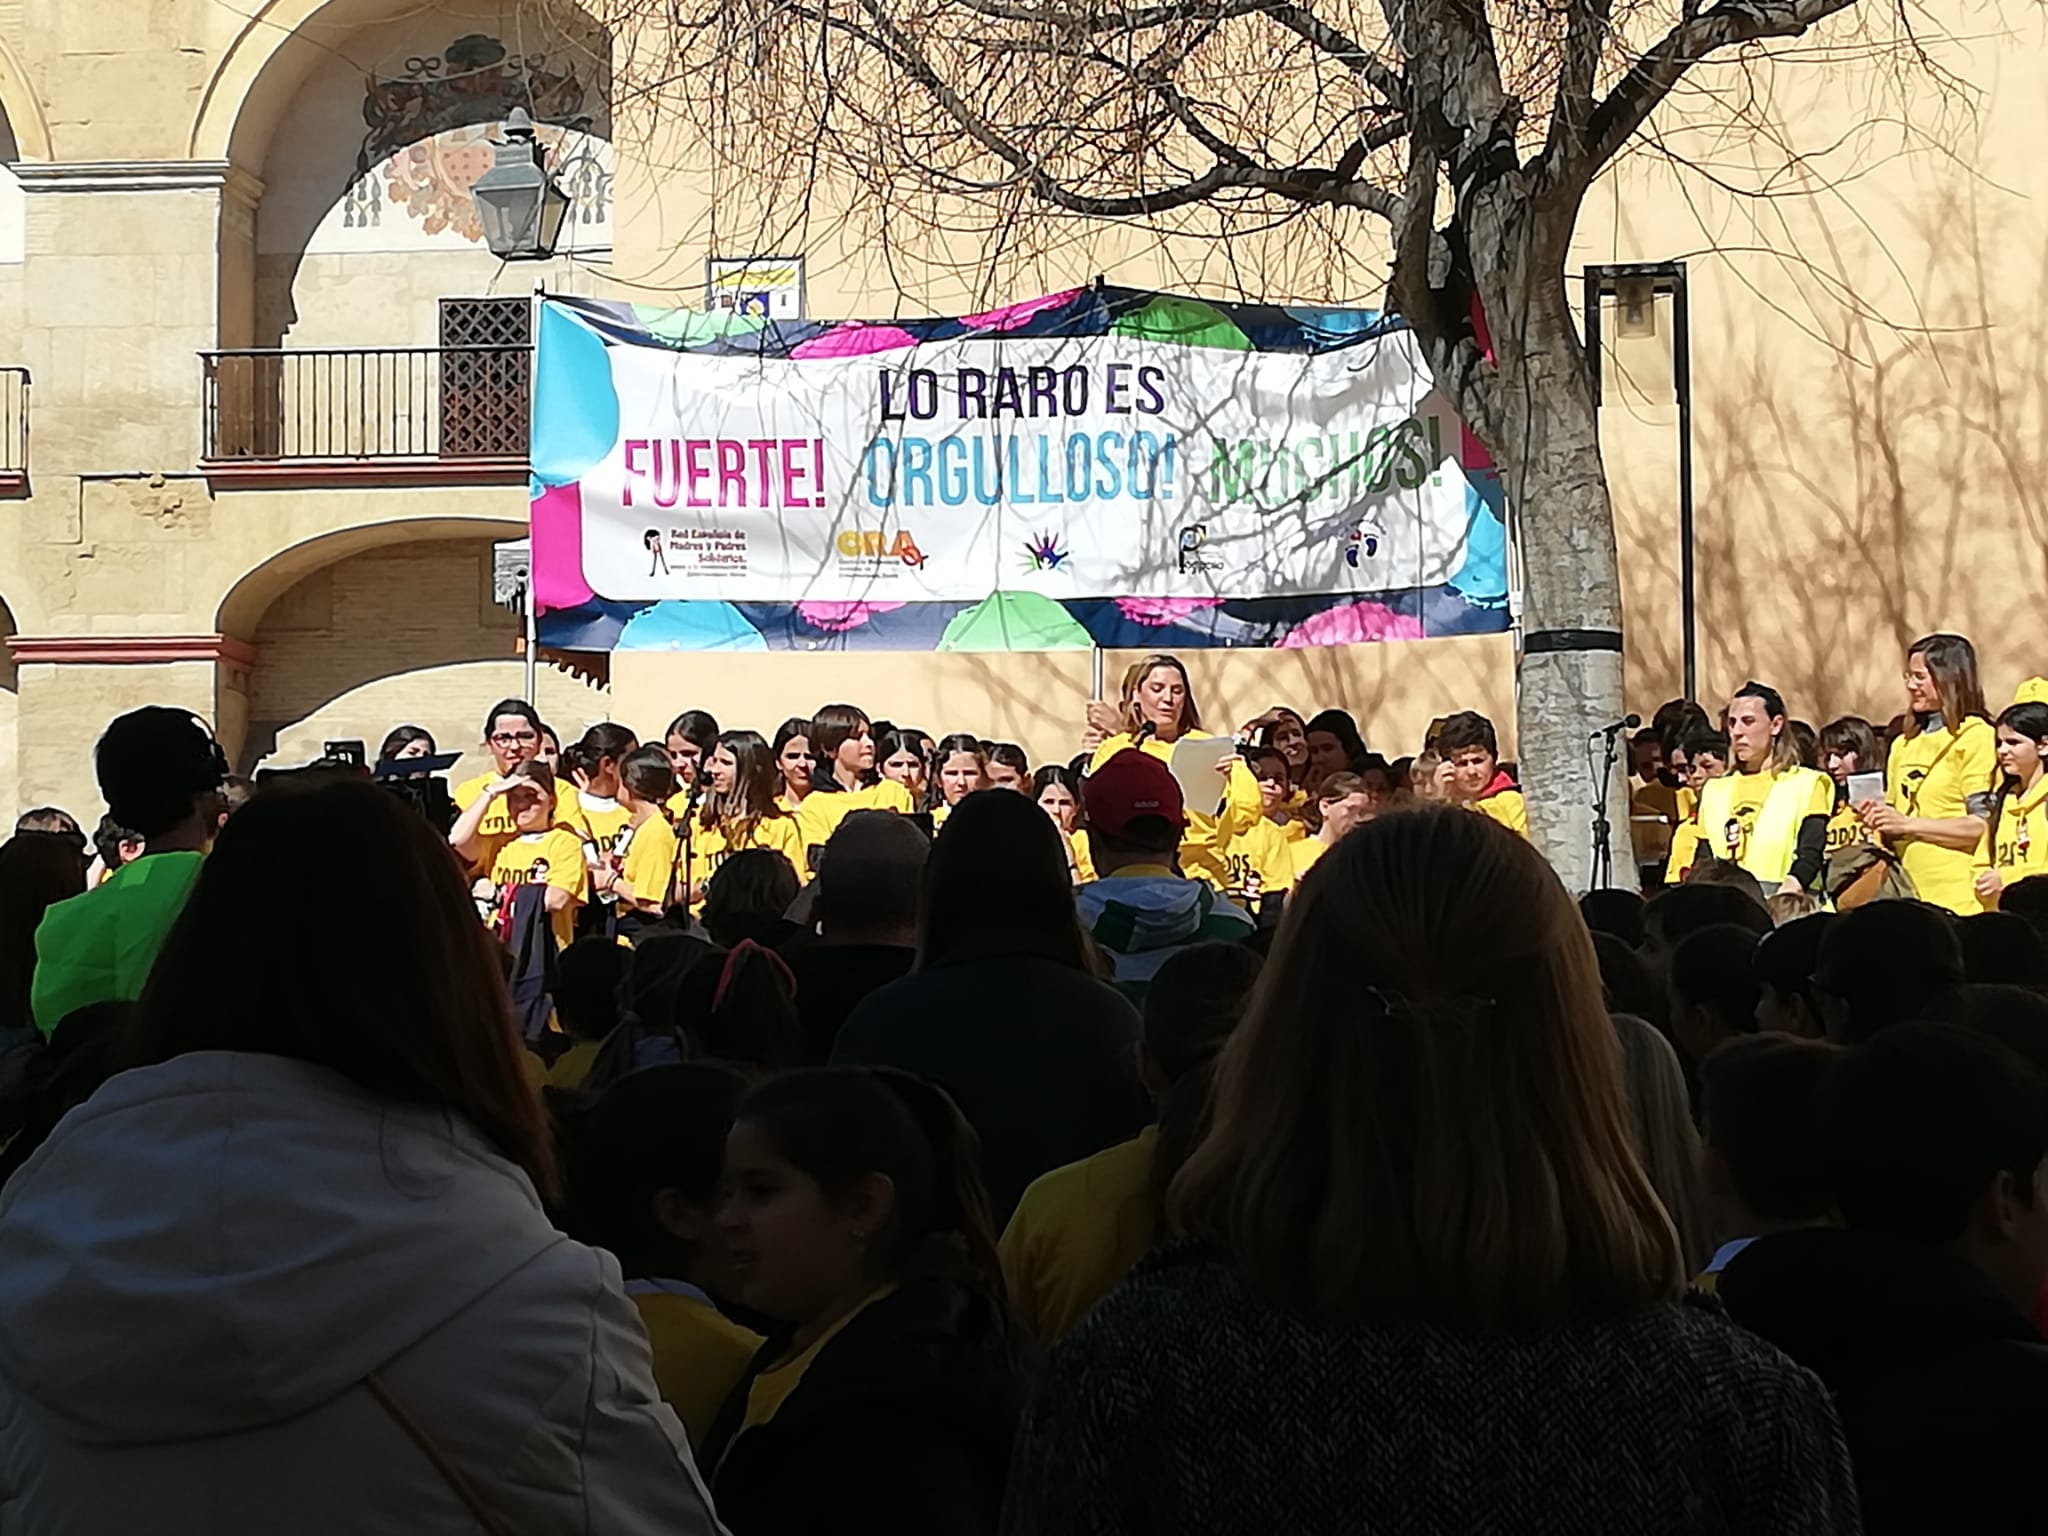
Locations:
1866 786
1194 766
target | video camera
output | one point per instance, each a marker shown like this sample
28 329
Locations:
417 781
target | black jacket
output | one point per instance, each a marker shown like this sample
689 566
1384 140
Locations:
1037 1054
1184 1403
834 979
1941 1383
902 1425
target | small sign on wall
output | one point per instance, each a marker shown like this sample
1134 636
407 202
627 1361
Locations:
769 287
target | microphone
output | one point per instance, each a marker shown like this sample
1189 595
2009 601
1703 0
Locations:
1145 733
1615 728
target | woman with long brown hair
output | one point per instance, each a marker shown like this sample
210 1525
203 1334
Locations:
1157 709
740 812
337 1277
1939 778
1428 1281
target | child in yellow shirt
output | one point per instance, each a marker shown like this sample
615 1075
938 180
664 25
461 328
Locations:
644 1186
512 733
741 812
2019 817
1468 743
1058 793
540 852
640 865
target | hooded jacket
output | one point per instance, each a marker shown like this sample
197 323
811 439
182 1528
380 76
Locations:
901 1426
1140 920
205 1261
1941 1383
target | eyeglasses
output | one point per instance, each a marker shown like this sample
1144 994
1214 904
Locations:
514 738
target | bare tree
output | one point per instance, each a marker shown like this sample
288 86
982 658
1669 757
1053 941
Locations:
1470 130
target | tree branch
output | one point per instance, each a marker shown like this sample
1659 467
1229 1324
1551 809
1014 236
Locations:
1649 81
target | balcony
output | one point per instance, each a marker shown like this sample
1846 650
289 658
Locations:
326 416
14 384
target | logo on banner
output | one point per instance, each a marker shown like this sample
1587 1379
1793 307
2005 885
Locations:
696 551
1361 544
1194 538
870 552
1044 551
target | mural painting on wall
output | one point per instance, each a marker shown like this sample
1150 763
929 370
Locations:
429 137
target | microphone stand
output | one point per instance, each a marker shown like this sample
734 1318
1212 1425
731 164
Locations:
1603 827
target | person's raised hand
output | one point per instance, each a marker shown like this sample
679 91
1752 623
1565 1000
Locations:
1989 884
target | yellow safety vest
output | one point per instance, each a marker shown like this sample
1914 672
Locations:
1774 837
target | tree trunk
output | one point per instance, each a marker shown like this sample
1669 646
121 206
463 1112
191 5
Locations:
1570 675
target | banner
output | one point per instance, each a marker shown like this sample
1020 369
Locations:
1049 475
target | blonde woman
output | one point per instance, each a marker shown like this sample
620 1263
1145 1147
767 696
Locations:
1158 708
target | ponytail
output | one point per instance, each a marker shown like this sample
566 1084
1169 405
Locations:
2031 721
740 1008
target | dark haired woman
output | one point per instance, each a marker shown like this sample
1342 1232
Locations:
2019 814
1158 708
854 1217
1004 1007
1428 1285
512 732
406 741
1938 787
843 777
345 1205
740 812
1768 813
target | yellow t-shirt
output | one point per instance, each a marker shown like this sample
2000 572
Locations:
710 847
553 858
573 1065
648 864
1508 807
1303 855
822 811
1208 825
1076 1234
595 820
1686 850
496 829
2023 834
1845 828
770 1390
1083 862
1260 848
1934 775
699 1353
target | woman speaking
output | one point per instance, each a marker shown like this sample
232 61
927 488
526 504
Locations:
1159 709
1768 813
1938 788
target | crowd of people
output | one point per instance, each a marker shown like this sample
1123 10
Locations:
847 1129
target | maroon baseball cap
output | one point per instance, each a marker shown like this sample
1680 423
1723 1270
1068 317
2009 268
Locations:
1129 787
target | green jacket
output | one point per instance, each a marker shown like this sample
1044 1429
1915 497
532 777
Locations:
98 947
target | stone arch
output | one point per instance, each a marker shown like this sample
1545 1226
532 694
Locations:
365 128
369 628
29 128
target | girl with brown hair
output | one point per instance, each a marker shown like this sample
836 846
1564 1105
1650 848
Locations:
740 812
344 1204
1428 1281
